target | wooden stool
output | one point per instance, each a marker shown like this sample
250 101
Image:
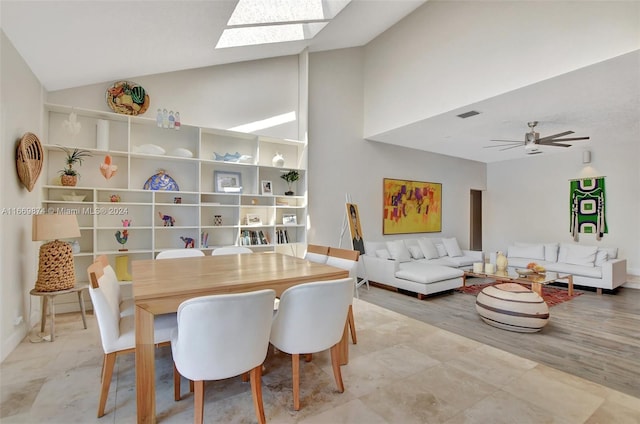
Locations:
48 297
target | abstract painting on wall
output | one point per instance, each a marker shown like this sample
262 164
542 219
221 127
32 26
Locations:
587 207
411 207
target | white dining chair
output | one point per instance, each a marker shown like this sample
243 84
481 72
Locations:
348 260
179 253
230 250
222 336
311 318
117 331
110 283
316 253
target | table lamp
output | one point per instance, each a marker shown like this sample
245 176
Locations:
55 266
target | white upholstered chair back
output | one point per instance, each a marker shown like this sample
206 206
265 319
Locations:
231 250
179 253
311 316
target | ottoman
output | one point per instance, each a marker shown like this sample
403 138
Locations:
512 307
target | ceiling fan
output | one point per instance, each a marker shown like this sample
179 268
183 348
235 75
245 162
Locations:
532 140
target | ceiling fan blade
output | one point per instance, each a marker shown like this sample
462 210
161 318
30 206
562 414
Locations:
511 147
537 152
549 137
508 141
497 145
564 139
549 143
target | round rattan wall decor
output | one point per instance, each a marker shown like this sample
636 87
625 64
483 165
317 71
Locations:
127 98
29 158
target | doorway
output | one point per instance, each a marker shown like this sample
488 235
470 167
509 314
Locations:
475 224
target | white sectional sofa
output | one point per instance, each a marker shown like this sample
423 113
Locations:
423 265
591 266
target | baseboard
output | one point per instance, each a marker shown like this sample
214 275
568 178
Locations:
633 282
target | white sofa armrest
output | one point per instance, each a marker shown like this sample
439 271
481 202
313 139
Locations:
378 269
475 254
614 272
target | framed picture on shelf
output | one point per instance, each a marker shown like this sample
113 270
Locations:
227 182
289 219
266 187
252 219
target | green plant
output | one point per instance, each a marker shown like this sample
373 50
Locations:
291 177
73 157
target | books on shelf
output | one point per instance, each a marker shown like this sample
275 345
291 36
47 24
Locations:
253 238
282 236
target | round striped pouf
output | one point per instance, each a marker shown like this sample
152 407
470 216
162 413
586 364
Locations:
512 307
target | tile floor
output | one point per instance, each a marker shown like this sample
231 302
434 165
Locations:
401 371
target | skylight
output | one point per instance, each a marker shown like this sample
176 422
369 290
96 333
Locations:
275 21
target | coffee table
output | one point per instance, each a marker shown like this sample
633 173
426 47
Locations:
536 280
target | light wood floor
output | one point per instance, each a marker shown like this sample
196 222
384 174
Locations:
593 337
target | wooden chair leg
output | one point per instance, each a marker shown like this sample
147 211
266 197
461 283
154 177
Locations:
352 325
245 377
107 372
335 363
295 364
308 357
176 383
256 391
191 386
198 402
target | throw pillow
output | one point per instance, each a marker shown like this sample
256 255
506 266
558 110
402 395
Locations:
398 251
601 257
382 253
428 248
580 255
451 246
441 250
416 252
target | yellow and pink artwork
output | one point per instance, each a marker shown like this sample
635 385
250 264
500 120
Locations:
411 207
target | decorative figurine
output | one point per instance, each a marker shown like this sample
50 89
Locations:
114 198
165 118
122 239
107 169
204 239
159 118
177 123
127 222
189 243
172 120
168 220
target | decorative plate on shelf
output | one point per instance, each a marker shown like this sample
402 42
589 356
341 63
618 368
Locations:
161 181
127 98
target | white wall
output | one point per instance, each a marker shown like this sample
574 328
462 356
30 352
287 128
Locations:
528 199
448 54
341 161
222 96
21 111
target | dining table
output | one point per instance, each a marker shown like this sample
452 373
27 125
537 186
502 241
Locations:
160 286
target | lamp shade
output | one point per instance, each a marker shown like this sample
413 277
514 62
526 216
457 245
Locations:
53 227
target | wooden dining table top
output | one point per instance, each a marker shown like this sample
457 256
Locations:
167 282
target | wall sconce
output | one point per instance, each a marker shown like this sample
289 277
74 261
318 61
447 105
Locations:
586 156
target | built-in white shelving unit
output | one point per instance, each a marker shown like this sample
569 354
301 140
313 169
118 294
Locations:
199 202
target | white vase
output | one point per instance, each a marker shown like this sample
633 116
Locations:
102 135
501 262
278 160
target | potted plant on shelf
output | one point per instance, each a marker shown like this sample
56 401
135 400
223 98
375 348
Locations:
69 176
290 177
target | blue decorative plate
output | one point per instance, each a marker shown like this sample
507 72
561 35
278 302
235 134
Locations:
161 181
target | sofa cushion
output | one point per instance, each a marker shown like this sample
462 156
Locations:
459 261
382 254
577 254
425 274
579 270
398 251
416 252
601 257
534 251
428 248
612 252
451 246
442 251
370 247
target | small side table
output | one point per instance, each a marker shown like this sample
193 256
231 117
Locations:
48 297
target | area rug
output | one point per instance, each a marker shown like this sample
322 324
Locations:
553 296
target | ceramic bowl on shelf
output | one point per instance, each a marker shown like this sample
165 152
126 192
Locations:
525 272
73 197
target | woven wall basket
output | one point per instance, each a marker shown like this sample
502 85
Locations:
55 268
29 158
